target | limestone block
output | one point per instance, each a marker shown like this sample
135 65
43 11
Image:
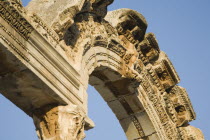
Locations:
146 124
118 109
134 103
129 129
102 89
153 137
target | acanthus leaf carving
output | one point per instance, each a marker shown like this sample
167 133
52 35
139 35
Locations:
59 123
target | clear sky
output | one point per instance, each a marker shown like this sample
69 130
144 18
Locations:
182 28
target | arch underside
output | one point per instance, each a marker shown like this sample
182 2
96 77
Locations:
124 101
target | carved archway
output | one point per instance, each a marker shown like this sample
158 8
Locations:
134 77
80 46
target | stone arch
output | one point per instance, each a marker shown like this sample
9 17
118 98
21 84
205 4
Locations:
113 53
134 77
109 75
123 99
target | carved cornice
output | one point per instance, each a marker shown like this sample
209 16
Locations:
158 105
36 48
181 105
120 45
148 49
158 73
14 48
48 33
129 23
15 19
13 37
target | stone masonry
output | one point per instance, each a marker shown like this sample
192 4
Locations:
51 50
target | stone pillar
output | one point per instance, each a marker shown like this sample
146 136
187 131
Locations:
59 123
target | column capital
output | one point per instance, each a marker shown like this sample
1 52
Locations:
60 123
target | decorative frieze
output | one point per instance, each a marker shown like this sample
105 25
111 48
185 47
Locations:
15 19
103 48
154 97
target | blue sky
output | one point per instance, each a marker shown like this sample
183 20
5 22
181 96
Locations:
182 28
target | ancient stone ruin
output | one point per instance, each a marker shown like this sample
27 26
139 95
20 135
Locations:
52 49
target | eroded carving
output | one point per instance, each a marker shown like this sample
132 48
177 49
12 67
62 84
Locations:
99 7
15 19
179 106
129 23
148 49
165 71
59 123
190 132
116 45
64 11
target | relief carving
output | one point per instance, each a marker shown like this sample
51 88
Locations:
180 106
63 13
79 26
148 48
165 72
60 123
18 5
87 32
191 133
10 14
128 23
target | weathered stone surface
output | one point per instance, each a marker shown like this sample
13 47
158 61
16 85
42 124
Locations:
52 50
63 10
59 122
